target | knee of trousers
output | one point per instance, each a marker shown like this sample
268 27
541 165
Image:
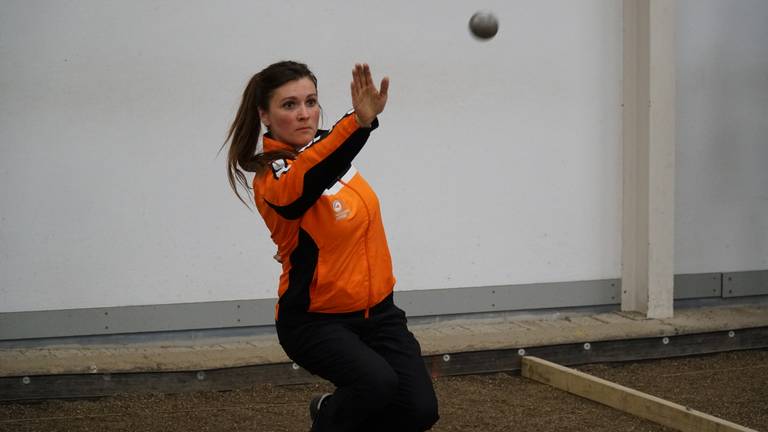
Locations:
380 384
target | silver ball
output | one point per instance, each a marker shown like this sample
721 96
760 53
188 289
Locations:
484 25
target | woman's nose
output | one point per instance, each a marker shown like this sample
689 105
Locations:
303 112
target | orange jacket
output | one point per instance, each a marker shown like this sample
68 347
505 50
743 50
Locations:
326 222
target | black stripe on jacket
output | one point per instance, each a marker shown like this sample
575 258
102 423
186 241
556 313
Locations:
295 299
326 173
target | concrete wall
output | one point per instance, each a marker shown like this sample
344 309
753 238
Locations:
496 162
722 136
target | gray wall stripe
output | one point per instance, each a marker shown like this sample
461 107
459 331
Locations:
748 283
702 285
509 297
436 302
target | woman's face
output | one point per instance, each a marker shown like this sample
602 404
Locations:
293 113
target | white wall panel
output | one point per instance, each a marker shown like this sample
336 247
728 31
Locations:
497 163
722 159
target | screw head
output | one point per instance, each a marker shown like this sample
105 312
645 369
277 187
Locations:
665 340
295 366
200 375
446 357
731 334
587 346
26 380
521 352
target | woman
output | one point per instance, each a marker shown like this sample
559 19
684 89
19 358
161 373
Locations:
335 316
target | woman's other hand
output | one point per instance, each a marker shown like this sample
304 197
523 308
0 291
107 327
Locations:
367 101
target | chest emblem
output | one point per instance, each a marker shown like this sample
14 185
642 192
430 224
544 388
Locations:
339 209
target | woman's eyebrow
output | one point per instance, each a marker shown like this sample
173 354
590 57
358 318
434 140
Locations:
296 97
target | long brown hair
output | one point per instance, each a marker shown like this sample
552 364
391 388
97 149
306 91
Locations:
244 133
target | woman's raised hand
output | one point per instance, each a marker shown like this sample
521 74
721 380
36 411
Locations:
367 101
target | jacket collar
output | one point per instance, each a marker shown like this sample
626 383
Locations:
271 144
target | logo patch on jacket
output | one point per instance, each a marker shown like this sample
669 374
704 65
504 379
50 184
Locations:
339 209
279 167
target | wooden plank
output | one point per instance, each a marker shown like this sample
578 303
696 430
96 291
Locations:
448 364
625 399
100 385
508 359
653 348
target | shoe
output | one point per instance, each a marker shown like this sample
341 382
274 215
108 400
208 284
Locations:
315 404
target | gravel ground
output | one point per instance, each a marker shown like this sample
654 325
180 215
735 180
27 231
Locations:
732 385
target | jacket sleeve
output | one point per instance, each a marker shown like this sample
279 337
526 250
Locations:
294 186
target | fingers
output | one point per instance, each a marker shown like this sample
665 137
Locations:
362 78
358 78
355 80
367 79
384 87
366 99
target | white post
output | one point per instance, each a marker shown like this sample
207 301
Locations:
649 157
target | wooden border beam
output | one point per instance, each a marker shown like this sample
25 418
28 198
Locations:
625 399
93 385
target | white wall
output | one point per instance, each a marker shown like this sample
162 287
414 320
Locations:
496 162
722 150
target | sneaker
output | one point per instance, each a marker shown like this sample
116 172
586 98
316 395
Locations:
315 404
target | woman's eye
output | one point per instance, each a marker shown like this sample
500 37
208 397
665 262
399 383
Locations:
312 102
289 105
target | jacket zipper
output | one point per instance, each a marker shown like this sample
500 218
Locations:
365 244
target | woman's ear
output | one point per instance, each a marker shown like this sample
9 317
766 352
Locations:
264 116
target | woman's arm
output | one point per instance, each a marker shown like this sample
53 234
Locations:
299 183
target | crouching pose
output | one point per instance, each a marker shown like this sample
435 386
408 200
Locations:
335 315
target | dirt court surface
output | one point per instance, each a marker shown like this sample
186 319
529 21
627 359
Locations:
733 386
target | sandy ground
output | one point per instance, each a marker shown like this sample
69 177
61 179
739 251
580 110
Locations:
733 386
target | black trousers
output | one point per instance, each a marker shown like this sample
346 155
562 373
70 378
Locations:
375 363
